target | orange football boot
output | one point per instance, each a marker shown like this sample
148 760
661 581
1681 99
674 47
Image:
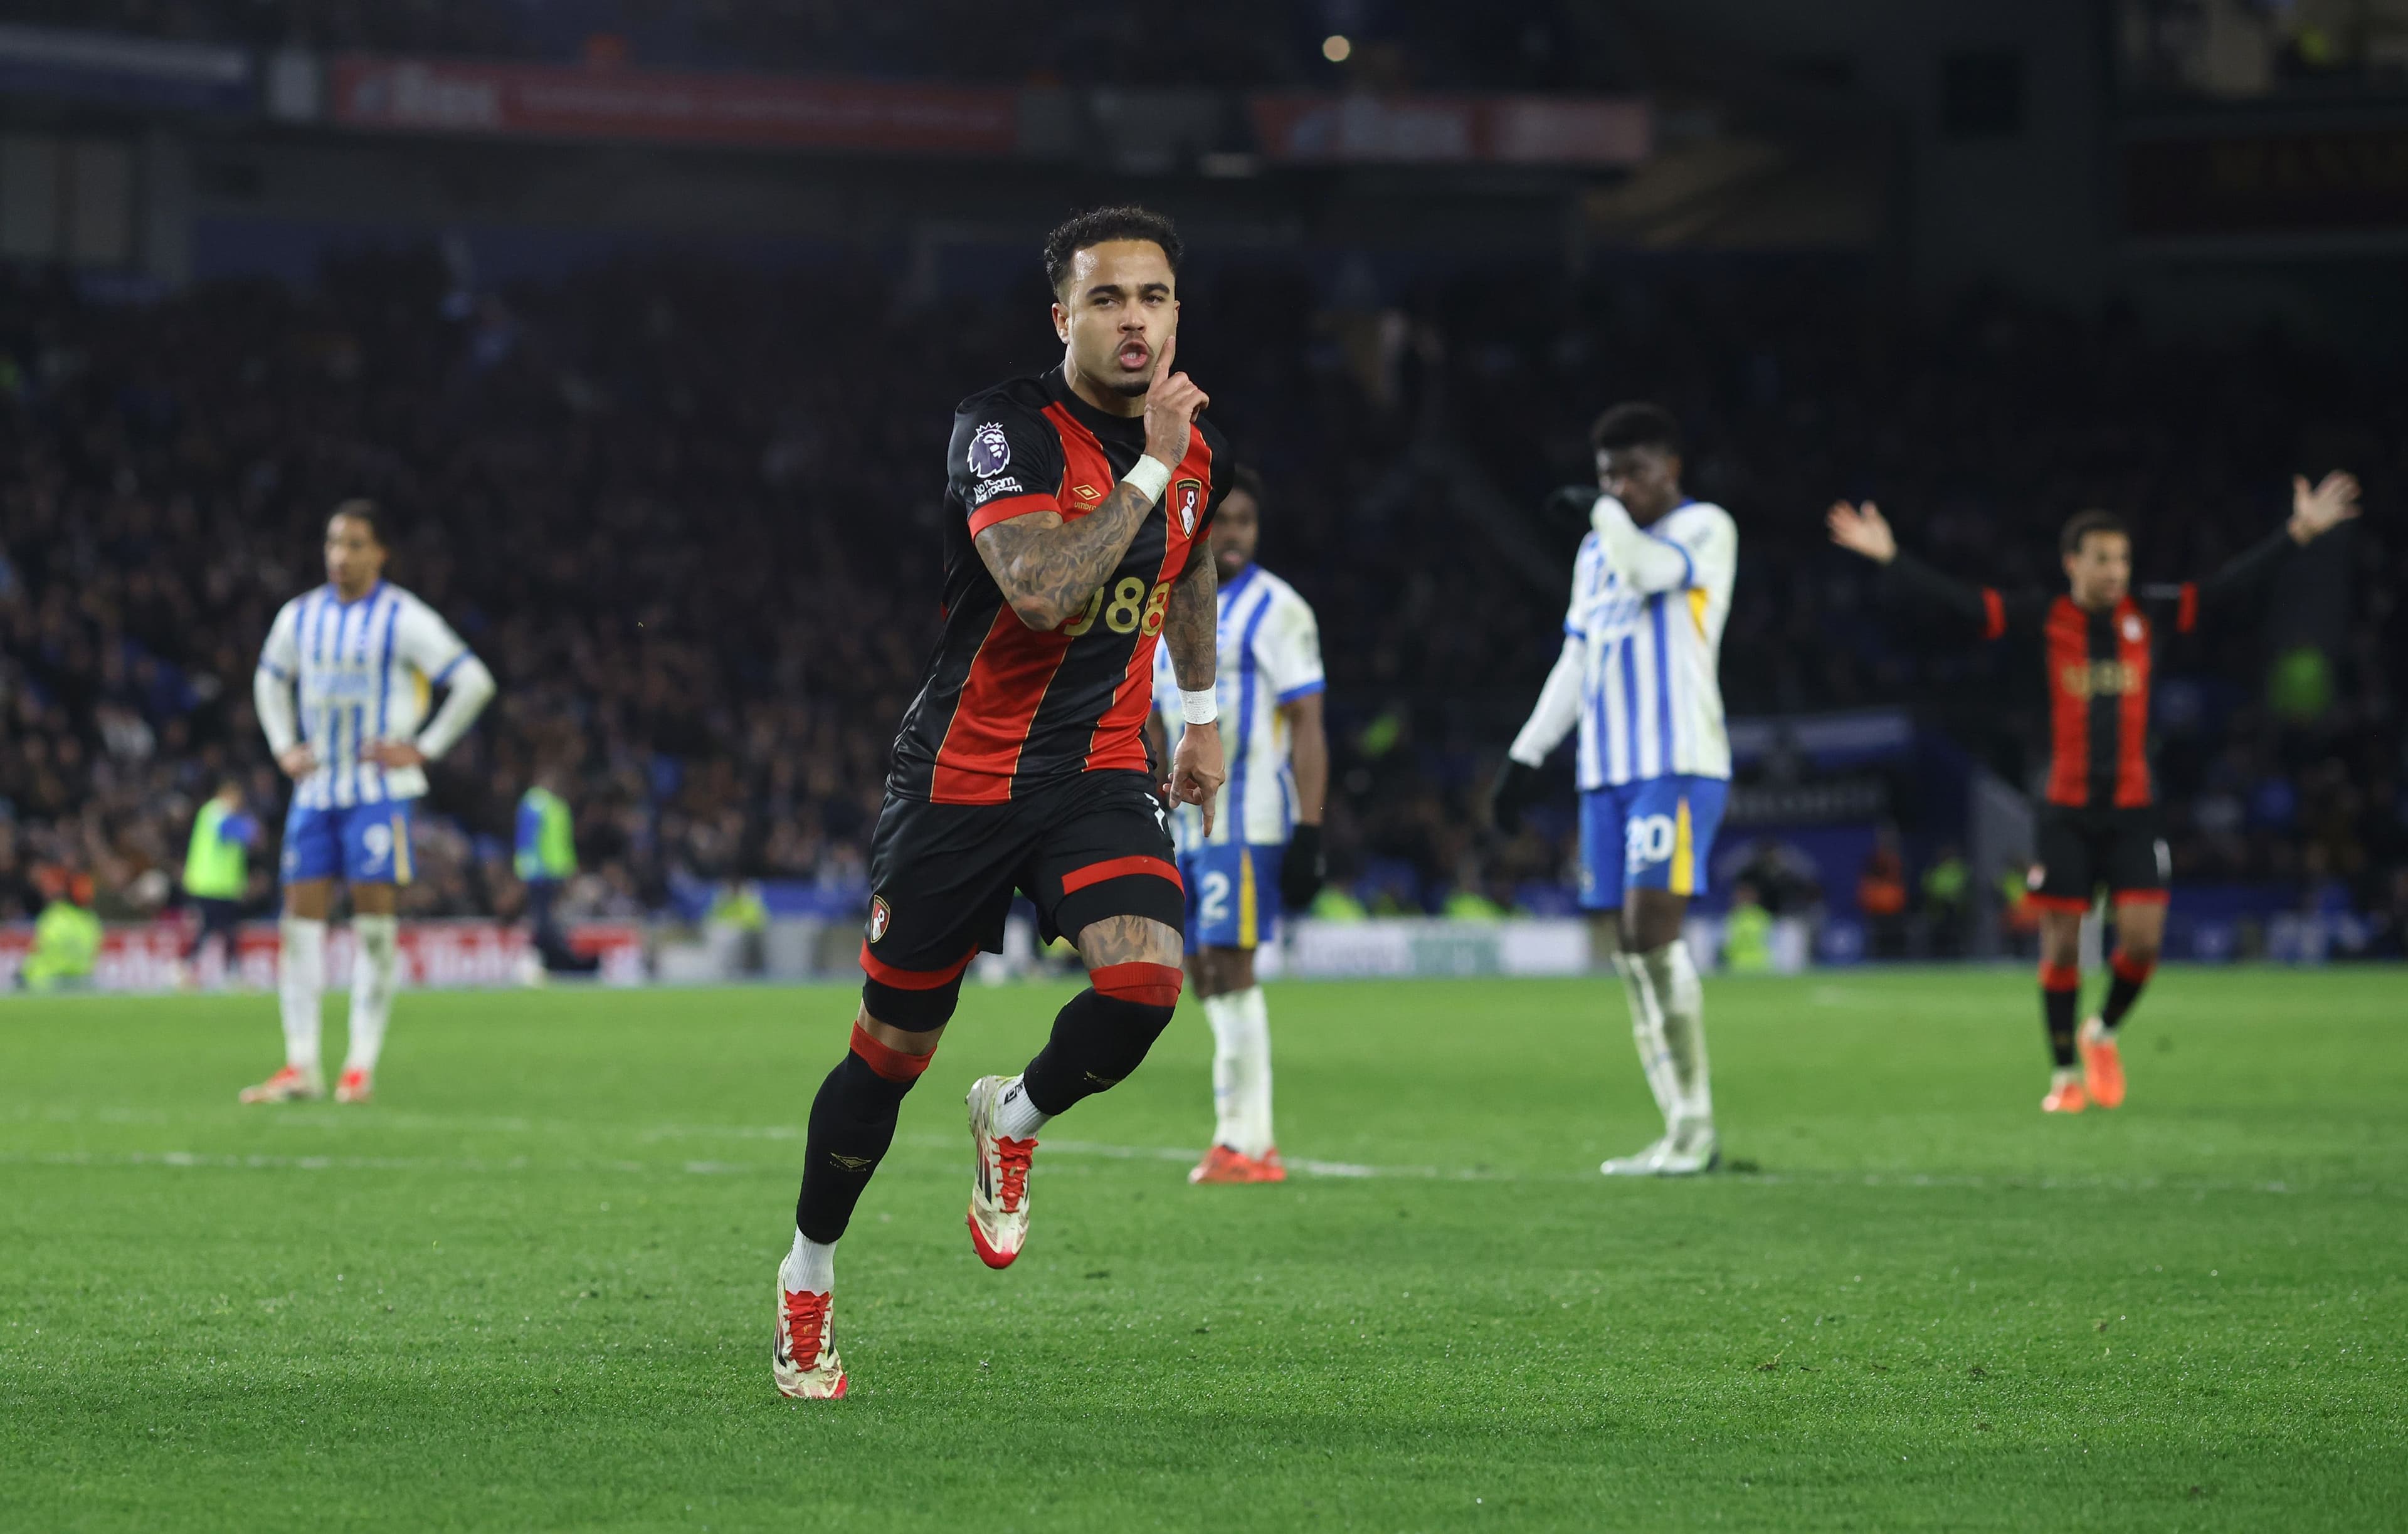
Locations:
1223 1165
2102 1065
2065 1096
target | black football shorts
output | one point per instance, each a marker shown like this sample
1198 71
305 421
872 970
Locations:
941 878
2078 849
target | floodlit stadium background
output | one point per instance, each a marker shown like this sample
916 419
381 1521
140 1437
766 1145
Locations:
646 323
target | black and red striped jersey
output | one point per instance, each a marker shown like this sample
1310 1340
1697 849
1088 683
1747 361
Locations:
1005 708
2098 665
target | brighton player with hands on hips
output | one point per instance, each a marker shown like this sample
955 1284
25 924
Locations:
1079 504
363 656
2099 825
1263 849
1639 679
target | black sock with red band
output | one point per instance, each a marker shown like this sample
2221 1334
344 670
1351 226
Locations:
2130 975
2060 994
852 1125
1103 1033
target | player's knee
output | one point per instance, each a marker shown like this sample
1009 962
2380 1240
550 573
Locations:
914 1010
2133 962
1138 984
872 1070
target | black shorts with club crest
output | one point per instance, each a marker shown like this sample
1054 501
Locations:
2078 848
941 878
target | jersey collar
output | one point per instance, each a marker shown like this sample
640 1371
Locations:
1243 578
368 595
1058 389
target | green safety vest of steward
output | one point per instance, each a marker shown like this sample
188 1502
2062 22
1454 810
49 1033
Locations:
66 945
547 837
1747 940
216 866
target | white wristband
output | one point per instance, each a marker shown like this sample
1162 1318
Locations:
1149 476
1202 707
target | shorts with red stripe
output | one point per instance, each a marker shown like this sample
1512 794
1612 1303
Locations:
2076 849
942 879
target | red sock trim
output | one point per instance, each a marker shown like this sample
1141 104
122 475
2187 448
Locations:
2132 972
1151 984
890 1063
2059 977
2075 903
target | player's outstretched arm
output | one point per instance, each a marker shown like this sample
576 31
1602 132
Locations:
2316 510
1048 568
1862 530
1191 629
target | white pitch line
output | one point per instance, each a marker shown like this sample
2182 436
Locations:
1346 1171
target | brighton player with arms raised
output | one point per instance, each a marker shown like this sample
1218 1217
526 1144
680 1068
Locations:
1639 679
2099 825
363 656
1263 849
1080 505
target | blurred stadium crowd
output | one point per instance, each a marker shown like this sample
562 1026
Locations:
1250 44
686 510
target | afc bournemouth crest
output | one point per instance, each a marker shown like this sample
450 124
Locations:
1188 496
2132 630
879 918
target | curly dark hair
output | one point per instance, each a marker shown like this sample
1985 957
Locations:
1636 423
1097 224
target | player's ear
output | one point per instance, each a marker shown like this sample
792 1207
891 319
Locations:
1061 323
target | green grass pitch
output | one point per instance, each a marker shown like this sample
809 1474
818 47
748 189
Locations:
530 1287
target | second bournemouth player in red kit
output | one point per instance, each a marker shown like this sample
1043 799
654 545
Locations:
2099 826
1077 505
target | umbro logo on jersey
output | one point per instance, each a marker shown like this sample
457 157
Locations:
1087 493
879 918
1188 496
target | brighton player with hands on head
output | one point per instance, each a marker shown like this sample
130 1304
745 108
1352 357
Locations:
1263 849
1639 679
2099 824
1081 502
365 656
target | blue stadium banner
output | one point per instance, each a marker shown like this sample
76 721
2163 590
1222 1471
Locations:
127 71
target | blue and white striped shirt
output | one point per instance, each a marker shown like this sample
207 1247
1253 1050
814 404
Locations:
1651 702
1269 656
364 671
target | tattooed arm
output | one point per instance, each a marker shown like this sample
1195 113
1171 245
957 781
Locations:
1190 627
1048 568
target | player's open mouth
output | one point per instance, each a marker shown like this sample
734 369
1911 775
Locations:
1134 357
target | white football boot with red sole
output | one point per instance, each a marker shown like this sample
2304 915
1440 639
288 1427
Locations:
999 1217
